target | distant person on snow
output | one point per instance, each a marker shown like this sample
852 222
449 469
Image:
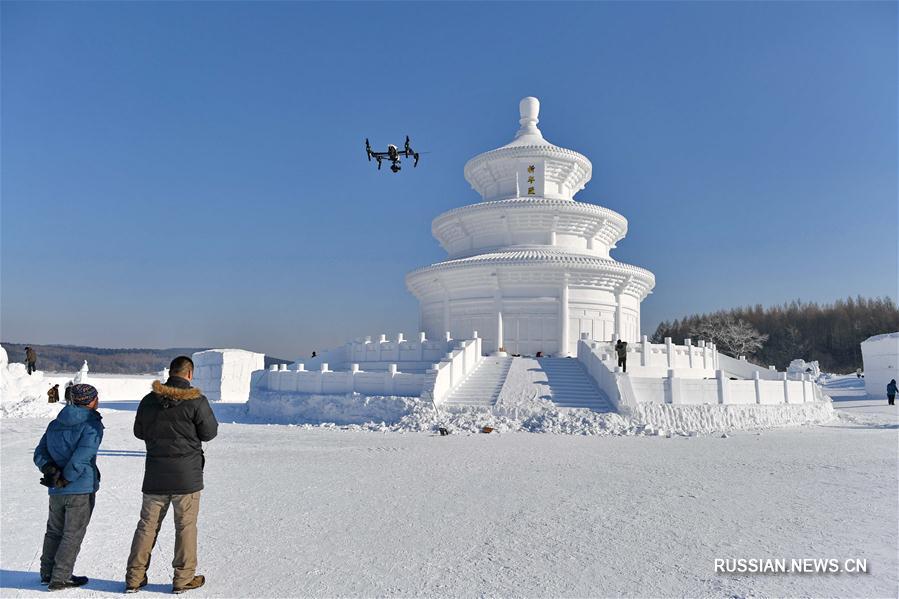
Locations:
891 392
314 354
30 359
67 456
621 350
858 373
53 394
174 421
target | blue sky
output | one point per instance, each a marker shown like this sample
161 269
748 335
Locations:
192 174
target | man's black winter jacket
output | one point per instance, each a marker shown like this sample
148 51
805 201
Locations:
174 420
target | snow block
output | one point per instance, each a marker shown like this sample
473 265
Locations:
880 356
225 374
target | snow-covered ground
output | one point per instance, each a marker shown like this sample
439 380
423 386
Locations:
299 511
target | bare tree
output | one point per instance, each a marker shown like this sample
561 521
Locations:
733 336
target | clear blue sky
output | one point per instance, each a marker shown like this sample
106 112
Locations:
193 174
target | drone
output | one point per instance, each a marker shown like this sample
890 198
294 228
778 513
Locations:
393 154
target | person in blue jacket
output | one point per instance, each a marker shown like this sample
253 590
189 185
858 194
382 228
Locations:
67 456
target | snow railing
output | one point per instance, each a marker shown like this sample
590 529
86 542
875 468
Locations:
658 358
401 349
629 390
327 382
450 372
743 369
609 382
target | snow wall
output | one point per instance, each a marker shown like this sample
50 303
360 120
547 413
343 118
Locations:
880 356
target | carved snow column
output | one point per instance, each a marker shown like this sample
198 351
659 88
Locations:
563 320
619 316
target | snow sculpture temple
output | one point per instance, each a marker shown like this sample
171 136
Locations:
528 266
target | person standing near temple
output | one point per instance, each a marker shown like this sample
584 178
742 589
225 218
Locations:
30 359
67 457
173 420
621 350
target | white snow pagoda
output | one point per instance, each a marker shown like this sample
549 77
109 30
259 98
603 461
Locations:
528 266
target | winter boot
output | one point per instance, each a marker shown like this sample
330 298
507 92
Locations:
142 584
196 583
73 581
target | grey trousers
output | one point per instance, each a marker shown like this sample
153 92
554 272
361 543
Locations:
66 525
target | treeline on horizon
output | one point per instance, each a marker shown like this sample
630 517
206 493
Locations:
69 358
829 333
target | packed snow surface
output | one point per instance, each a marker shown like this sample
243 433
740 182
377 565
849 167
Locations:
293 511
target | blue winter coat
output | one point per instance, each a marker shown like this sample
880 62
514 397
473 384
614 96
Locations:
71 442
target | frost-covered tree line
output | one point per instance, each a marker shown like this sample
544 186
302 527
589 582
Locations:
830 333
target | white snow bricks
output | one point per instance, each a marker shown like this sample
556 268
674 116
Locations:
880 356
224 374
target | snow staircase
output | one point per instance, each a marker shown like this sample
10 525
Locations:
482 386
570 386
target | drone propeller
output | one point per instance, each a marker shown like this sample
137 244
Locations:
368 149
408 147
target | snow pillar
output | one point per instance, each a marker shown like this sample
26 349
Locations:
563 320
499 330
446 314
644 354
689 344
758 386
619 317
723 391
669 350
674 390
786 388
389 386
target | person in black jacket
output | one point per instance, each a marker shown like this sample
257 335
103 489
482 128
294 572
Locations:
173 421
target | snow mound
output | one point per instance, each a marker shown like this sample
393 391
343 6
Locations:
24 396
410 414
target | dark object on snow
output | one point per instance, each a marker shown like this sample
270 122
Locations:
314 354
30 359
195 583
443 431
53 394
539 354
139 586
487 429
621 350
73 581
891 393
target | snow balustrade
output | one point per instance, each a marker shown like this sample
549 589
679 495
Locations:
325 381
452 371
682 386
409 355
656 359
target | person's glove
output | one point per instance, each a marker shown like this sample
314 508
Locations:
51 475
60 481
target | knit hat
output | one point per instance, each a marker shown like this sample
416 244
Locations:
82 394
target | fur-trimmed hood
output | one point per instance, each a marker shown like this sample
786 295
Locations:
176 393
